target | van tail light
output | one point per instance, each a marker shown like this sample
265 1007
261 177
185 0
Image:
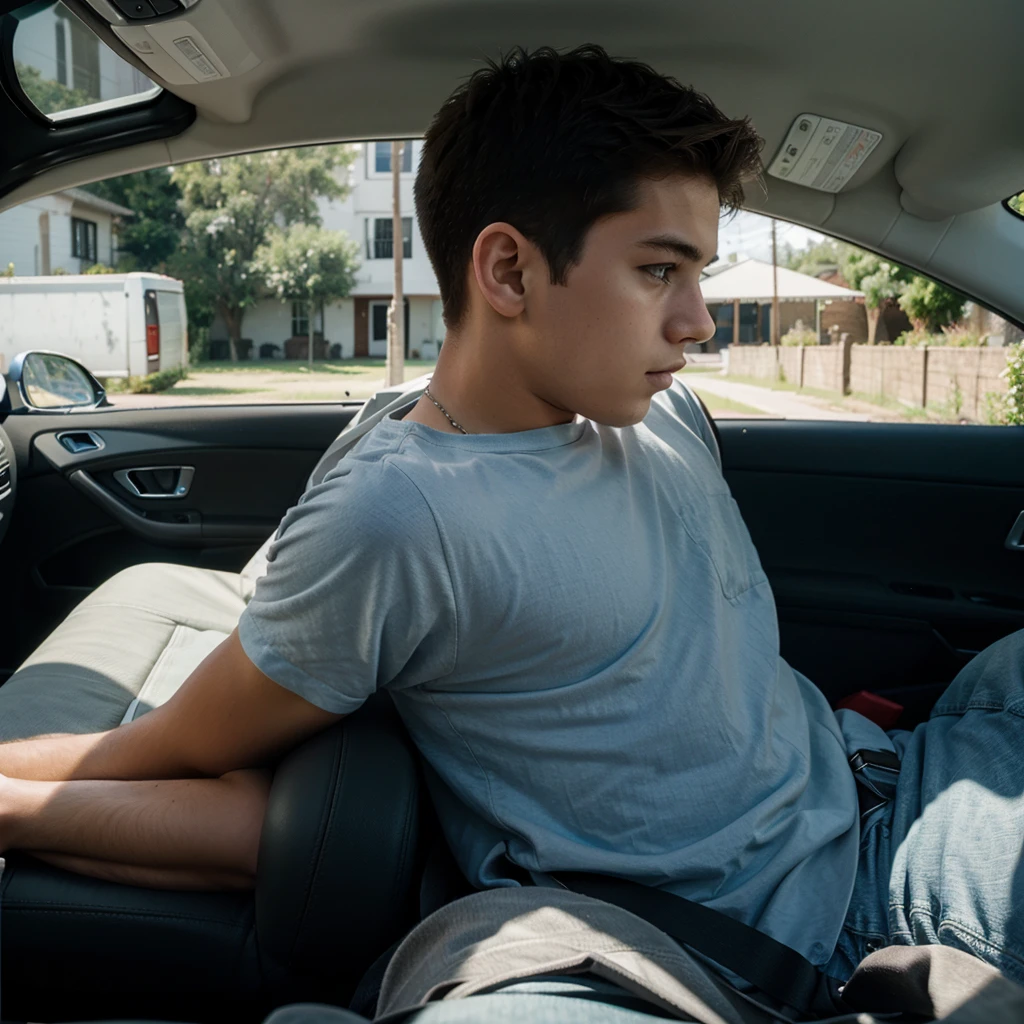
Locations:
152 339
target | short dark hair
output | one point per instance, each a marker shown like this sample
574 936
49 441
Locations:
550 142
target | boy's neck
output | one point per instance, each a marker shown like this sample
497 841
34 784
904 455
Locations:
484 390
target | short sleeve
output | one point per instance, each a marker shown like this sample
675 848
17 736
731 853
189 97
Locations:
357 593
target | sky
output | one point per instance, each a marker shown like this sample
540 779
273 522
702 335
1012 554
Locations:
750 234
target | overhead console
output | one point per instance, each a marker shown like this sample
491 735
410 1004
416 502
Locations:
184 42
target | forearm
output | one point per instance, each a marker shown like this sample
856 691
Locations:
103 755
208 824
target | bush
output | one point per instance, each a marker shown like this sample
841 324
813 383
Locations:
916 339
956 337
148 385
960 337
799 336
1009 408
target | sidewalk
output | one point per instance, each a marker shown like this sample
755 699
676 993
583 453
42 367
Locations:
786 404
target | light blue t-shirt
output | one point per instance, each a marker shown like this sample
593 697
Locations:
578 634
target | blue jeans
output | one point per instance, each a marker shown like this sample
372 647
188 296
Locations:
569 1000
943 861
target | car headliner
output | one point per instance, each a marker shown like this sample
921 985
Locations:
938 79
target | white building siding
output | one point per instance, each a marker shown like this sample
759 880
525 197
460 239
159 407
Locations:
369 199
20 238
339 326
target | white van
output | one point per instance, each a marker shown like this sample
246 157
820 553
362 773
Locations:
116 325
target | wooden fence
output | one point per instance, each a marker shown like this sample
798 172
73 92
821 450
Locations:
957 380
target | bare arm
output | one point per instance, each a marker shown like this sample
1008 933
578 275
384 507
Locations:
227 715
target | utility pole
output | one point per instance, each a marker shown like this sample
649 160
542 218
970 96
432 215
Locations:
394 372
775 288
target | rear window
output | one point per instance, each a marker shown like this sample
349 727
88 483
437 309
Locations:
66 71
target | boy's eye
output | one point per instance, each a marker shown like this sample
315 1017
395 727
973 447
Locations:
661 271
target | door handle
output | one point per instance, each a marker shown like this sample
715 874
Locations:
1015 538
156 481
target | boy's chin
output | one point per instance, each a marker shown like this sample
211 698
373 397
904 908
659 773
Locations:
623 416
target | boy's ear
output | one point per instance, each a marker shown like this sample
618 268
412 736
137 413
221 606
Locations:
500 254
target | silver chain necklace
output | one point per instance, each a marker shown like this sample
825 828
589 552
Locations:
444 412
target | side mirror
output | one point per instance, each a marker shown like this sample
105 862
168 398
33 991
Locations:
53 382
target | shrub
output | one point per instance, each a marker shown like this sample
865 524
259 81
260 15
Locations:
1013 400
148 385
798 335
916 338
159 381
960 337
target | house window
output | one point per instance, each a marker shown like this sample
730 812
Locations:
379 247
83 239
85 60
300 319
382 157
60 30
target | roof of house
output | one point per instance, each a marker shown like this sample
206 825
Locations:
750 280
84 198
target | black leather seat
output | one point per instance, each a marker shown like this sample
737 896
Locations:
338 882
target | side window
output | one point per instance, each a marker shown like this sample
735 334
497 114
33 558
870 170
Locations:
66 71
314 262
827 330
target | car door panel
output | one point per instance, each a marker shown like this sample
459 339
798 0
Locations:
884 545
75 523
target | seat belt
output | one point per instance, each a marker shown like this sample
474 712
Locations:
775 969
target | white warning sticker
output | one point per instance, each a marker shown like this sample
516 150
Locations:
822 153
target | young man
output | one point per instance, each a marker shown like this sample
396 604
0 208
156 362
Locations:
542 562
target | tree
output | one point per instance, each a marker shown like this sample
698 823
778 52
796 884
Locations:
882 282
930 305
150 239
230 207
49 97
305 263
816 257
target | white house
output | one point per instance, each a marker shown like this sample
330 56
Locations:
69 230
358 324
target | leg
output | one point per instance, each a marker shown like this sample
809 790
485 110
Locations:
201 831
947 857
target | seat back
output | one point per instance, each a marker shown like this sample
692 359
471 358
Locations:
339 861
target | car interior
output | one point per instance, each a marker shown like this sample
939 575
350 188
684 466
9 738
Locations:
889 546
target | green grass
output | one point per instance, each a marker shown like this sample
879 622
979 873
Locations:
342 367
700 369
716 403
201 391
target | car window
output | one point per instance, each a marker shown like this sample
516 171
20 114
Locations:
859 337
224 316
66 71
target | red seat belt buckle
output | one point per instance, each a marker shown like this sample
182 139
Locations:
883 712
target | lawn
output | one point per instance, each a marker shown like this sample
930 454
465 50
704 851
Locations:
341 367
716 404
